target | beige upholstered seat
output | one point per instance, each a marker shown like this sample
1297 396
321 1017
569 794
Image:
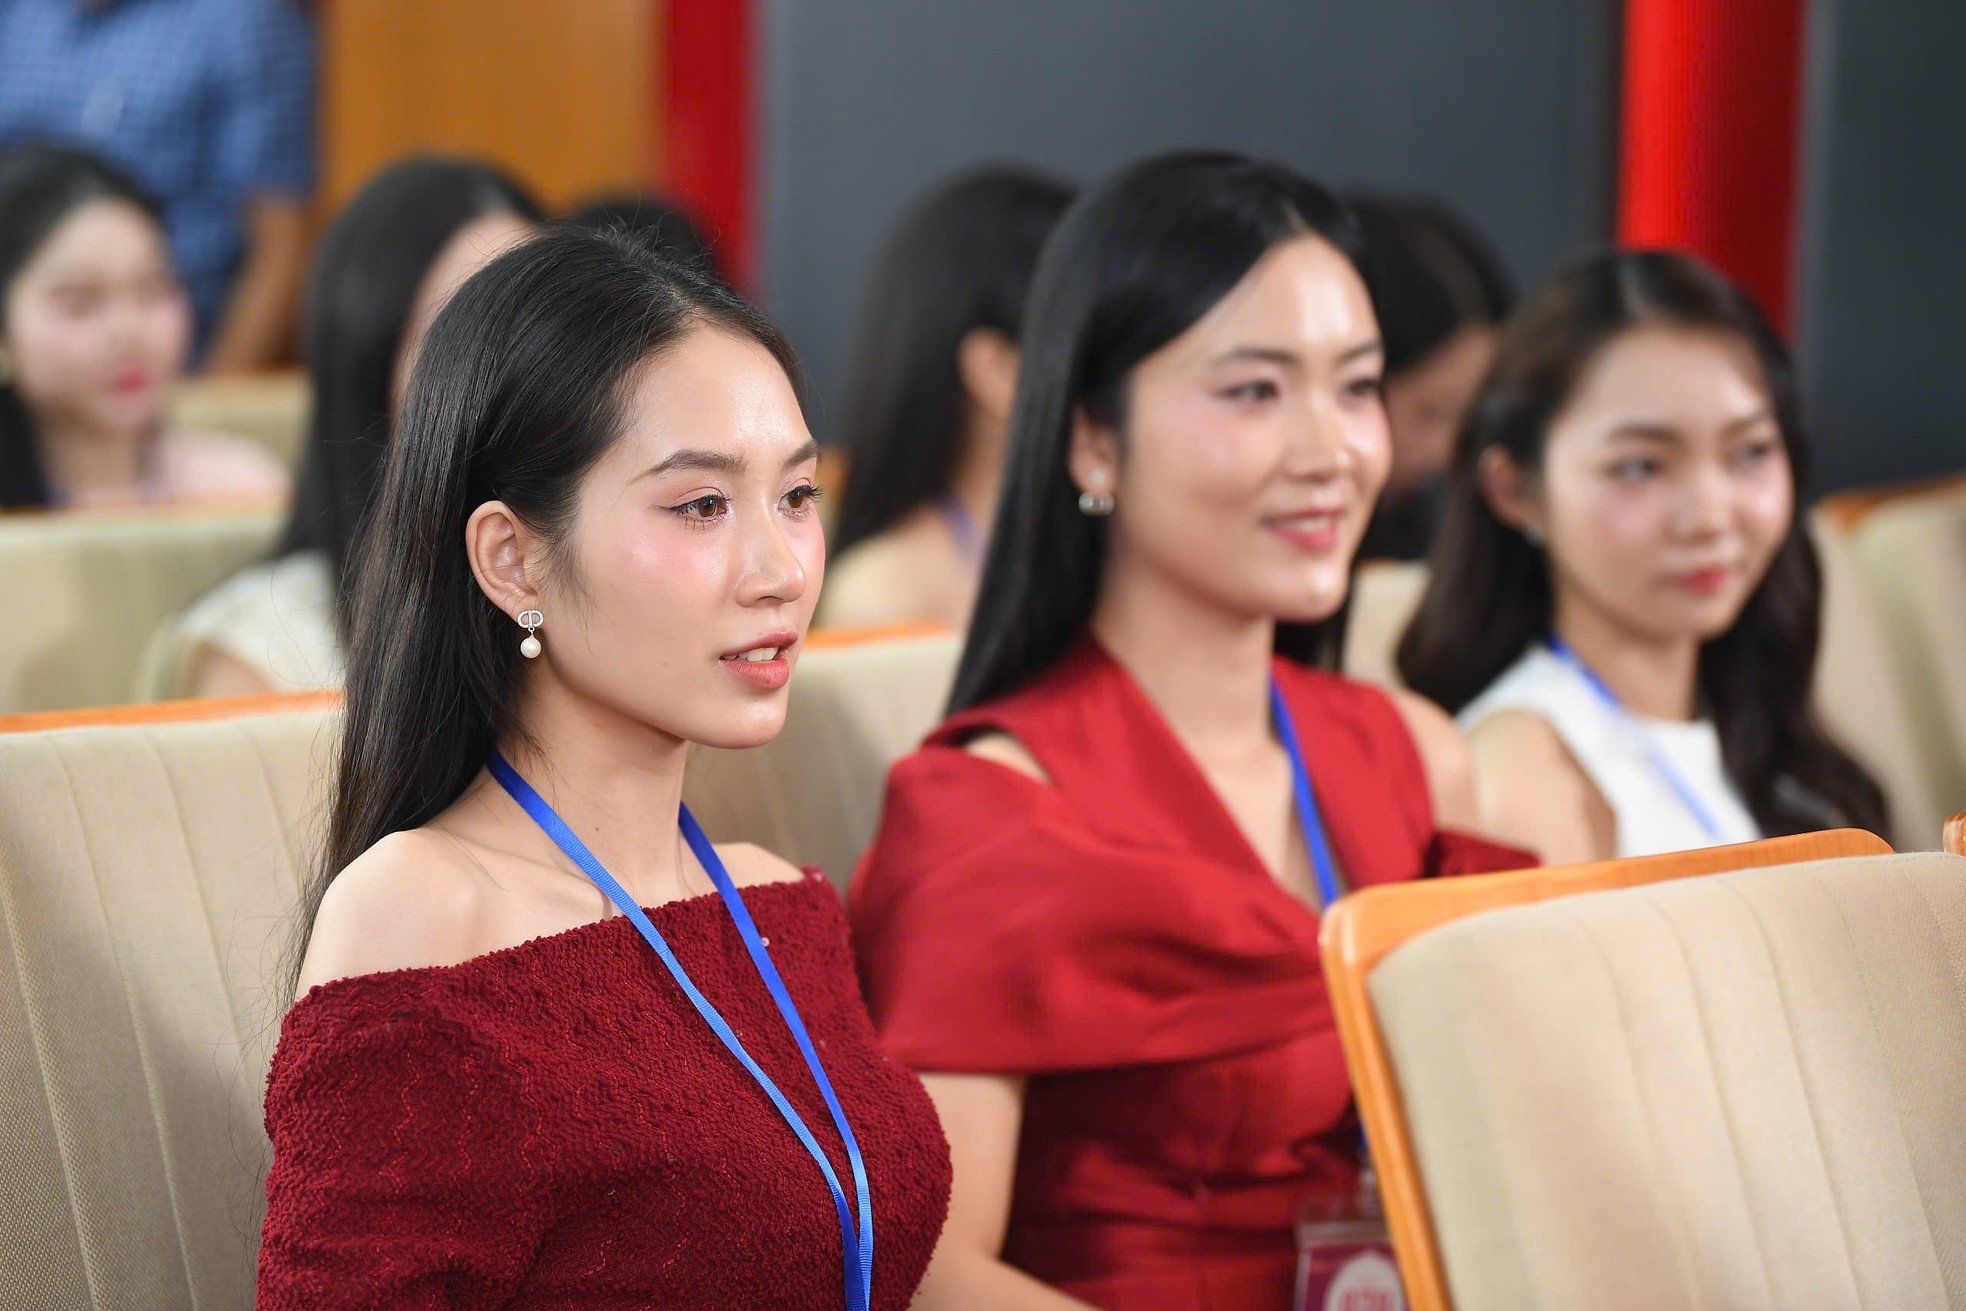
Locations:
1385 593
1863 700
1914 555
147 877
1741 1091
814 794
84 593
269 408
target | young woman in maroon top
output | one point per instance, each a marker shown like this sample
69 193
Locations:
1090 916
491 1091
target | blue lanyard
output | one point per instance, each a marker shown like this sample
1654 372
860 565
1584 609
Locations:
856 1242
1308 816
1661 766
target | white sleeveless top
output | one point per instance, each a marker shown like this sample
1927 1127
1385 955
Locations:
277 618
1613 749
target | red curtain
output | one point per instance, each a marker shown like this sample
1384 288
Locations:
705 122
1708 159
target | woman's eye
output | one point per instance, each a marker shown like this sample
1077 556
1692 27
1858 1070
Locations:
703 509
1636 468
1754 453
801 498
1260 390
1362 389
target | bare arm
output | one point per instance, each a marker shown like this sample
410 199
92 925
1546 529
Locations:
981 1114
1532 793
1444 752
218 673
259 318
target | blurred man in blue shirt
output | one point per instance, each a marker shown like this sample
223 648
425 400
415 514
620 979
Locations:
210 104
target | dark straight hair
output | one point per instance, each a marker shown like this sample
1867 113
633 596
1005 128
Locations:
40 186
1432 275
518 390
667 223
960 259
1135 262
371 262
1488 594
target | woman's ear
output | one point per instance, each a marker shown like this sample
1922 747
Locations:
504 557
1510 493
1093 457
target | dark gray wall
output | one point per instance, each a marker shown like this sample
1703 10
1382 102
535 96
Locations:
1504 107
1882 331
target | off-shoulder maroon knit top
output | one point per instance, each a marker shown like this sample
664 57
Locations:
553 1126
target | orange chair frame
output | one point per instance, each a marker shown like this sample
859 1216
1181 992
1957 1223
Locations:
1360 929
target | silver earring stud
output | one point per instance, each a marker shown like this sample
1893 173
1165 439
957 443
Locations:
530 620
1095 505
1533 535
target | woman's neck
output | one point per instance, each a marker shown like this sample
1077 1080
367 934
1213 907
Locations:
979 474
617 783
83 465
1207 671
1658 678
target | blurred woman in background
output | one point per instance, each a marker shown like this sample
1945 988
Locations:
1623 602
527 1072
1441 295
932 373
94 330
384 267
1090 915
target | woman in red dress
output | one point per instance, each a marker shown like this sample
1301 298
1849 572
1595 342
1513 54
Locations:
1090 917
595 544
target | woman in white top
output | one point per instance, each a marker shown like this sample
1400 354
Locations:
386 265
1623 605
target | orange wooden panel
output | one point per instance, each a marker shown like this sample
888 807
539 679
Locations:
1360 929
560 94
1846 510
173 712
835 637
1955 835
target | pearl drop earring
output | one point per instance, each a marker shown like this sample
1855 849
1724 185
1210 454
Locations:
530 620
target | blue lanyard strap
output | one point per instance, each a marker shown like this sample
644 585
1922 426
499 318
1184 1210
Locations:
1308 815
856 1241
1661 766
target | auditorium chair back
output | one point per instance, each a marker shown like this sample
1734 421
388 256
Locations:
814 794
1738 1090
85 592
1914 554
148 876
269 408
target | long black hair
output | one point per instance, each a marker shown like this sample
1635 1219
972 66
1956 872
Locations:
371 261
960 259
1135 262
40 186
1432 275
667 223
518 390
1488 593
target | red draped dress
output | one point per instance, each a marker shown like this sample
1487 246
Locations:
1112 936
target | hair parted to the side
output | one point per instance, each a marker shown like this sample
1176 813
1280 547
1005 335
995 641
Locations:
1488 591
371 262
1134 263
40 186
960 259
517 392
